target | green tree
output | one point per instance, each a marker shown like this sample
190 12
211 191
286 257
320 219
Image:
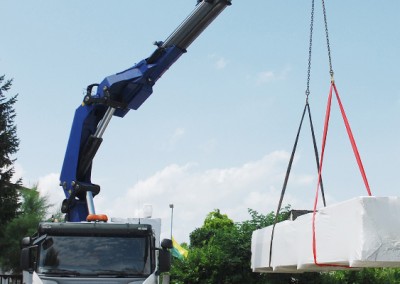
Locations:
206 258
9 197
33 210
220 251
214 223
366 275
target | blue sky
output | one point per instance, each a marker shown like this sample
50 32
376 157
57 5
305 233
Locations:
218 130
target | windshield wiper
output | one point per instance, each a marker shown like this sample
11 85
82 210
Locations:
118 273
63 272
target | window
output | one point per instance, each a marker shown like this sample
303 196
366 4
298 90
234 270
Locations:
95 255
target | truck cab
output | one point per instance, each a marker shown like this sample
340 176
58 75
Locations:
96 252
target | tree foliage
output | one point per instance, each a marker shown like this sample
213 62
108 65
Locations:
33 210
9 197
220 250
366 275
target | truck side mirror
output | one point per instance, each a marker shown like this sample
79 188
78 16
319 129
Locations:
166 244
164 256
25 260
25 242
164 261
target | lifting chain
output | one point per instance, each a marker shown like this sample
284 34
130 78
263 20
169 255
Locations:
310 51
310 46
327 40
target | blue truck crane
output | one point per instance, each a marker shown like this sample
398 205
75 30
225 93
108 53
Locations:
86 248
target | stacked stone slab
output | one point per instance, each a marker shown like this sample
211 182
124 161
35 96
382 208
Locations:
357 233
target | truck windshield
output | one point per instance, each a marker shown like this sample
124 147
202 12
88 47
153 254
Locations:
94 255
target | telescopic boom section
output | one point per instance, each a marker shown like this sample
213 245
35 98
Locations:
115 96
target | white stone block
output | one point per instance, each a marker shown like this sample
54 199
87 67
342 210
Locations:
361 232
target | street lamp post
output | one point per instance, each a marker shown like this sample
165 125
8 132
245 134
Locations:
172 216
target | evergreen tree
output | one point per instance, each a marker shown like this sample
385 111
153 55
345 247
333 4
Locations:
9 196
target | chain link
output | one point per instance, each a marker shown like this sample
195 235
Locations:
327 40
310 51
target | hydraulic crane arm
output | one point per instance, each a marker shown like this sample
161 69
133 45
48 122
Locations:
115 96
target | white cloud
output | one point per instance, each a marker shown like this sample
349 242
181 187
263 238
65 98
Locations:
195 193
269 76
18 172
176 136
266 77
49 186
219 61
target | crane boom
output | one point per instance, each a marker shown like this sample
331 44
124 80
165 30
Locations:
115 96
